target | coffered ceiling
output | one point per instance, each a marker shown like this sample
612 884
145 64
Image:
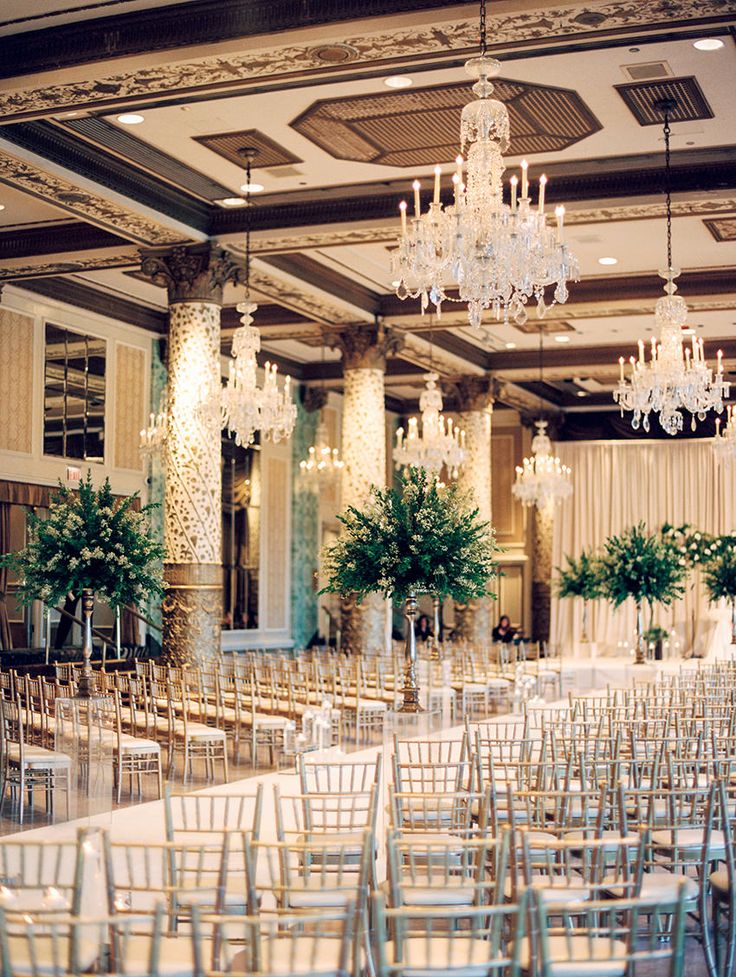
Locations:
337 149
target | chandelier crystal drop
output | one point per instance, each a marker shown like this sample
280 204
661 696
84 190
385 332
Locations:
676 377
542 480
153 436
498 253
323 463
724 443
440 442
246 407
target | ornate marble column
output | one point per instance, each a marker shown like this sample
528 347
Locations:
475 396
364 350
192 605
542 527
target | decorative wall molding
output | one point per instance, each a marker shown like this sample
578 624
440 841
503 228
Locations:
68 196
234 71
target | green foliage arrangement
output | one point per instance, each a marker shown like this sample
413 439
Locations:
719 574
690 547
656 633
641 565
581 577
90 540
421 539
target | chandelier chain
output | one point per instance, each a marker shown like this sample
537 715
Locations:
483 29
668 185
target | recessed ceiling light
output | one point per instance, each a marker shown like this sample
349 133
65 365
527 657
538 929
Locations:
708 44
608 261
251 187
395 284
398 81
582 393
232 202
2 206
510 345
130 119
562 338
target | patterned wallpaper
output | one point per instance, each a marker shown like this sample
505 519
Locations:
304 534
129 413
16 381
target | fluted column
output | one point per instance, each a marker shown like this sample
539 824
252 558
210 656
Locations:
364 350
192 605
474 395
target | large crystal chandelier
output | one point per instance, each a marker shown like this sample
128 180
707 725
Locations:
438 443
498 253
677 376
542 480
246 407
724 443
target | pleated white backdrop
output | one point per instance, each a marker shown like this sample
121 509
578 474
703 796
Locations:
617 484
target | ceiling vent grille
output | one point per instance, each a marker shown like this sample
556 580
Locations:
647 72
644 100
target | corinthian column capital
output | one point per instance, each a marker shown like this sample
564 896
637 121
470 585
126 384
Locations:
475 392
365 347
197 273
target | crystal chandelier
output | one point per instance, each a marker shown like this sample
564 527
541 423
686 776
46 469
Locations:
542 480
498 254
724 443
152 437
246 407
676 377
440 441
323 463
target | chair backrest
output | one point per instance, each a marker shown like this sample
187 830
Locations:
43 876
462 814
317 814
463 940
627 931
325 776
274 945
203 817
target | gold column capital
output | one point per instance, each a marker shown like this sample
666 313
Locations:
475 392
195 273
365 347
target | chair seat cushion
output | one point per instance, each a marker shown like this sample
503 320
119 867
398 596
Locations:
577 956
37 756
688 838
299 955
175 956
719 882
460 956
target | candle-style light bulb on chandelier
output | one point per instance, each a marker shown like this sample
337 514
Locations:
724 443
676 377
498 253
246 407
439 442
152 436
542 480
323 463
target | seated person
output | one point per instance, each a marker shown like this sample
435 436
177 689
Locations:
503 630
422 628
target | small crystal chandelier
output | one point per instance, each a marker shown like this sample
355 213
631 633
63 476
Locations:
676 377
440 441
323 463
724 443
152 437
497 254
247 408
542 480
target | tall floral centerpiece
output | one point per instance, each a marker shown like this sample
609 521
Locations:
692 549
640 565
420 539
719 575
581 578
90 543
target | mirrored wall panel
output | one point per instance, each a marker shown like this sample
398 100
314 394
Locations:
74 395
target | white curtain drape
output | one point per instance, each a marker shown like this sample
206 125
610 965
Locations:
617 484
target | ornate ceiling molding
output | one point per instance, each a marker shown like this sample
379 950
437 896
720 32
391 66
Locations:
90 206
45 269
235 71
